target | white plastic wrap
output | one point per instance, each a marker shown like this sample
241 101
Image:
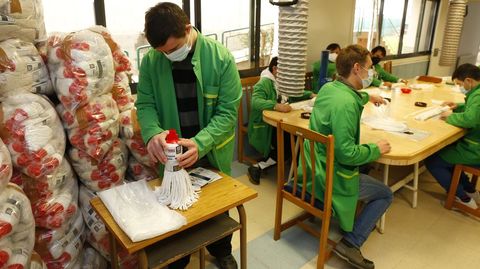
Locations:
130 133
91 259
5 166
36 261
81 67
121 61
122 93
17 228
22 67
26 20
60 248
101 175
129 124
137 171
136 210
94 127
53 197
33 133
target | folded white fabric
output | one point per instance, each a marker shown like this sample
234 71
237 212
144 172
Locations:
431 112
386 124
136 210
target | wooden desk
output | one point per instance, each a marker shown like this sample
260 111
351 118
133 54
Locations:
215 199
404 150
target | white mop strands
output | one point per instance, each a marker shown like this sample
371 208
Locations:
176 190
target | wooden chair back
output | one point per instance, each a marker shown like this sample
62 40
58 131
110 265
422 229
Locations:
451 202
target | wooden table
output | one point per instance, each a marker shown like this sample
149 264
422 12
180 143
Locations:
404 151
215 199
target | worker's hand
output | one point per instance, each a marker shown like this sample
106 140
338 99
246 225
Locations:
403 81
282 108
313 95
445 114
155 148
387 84
384 146
452 105
377 100
190 156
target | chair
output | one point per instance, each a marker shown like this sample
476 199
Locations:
387 66
247 89
298 195
459 168
309 81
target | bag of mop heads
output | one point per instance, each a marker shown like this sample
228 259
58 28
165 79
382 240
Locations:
22 67
17 228
33 133
5 166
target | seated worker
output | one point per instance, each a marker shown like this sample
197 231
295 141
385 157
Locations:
260 133
337 111
334 49
383 77
466 150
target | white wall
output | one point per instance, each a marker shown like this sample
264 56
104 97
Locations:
328 22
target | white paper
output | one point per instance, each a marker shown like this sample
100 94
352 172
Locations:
201 176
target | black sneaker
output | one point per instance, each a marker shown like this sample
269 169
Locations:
227 262
254 174
352 255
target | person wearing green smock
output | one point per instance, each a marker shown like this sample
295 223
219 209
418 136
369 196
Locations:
337 111
382 77
466 150
261 135
334 49
189 83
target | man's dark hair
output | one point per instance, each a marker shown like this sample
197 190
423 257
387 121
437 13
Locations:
466 71
273 62
333 46
380 48
163 21
348 57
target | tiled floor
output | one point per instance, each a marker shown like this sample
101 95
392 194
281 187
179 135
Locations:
428 236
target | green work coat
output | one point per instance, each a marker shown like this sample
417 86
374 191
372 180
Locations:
337 111
467 149
382 75
331 70
219 92
264 97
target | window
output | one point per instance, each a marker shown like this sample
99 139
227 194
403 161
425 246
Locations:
68 16
404 28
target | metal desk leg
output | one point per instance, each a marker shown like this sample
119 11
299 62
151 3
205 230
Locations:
243 236
386 169
113 251
415 185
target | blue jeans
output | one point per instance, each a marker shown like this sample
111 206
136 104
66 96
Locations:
377 198
442 171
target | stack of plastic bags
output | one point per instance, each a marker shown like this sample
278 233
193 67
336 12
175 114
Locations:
22 67
17 228
36 261
22 19
91 259
33 134
5 166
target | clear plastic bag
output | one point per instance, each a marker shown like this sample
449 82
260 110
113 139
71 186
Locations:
104 174
22 67
122 93
17 228
91 259
121 61
33 133
26 20
5 166
94 127
36 261
81 67
137 171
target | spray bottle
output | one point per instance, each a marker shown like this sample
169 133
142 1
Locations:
172 151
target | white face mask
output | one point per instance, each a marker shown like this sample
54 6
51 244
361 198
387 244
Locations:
181 53
332 57
462 89
367 81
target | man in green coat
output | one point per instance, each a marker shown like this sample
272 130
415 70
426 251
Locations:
260 134
337 111
189 83
466 150
334 49
382 78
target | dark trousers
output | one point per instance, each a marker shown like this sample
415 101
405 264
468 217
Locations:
218 249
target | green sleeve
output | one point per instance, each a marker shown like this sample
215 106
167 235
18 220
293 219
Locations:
344 129
306 95
470 118
224 119
365 97
331 69
460 107
316 75
146 110
260 100
376 82
384 75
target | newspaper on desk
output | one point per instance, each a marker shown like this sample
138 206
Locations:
136 210
201 176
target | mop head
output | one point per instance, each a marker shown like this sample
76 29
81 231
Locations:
176 190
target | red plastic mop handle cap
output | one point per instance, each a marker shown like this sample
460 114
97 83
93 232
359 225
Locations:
172 136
